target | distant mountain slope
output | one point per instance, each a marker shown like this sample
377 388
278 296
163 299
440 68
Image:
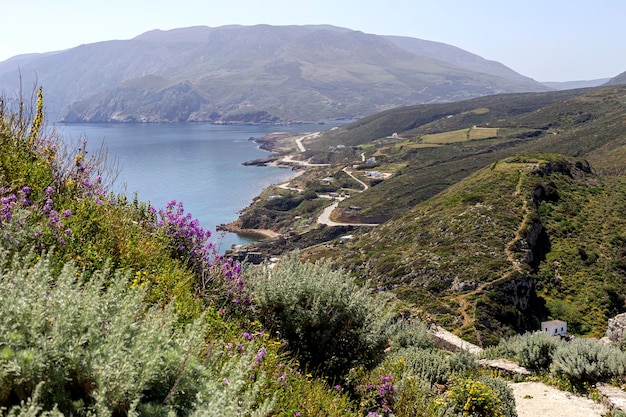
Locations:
568 85
458 57
618 79
256 74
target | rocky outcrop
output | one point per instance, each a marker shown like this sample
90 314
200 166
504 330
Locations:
616 327
136 103
518 290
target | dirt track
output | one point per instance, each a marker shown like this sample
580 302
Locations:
534 399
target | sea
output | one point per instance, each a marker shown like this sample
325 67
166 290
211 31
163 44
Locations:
198 164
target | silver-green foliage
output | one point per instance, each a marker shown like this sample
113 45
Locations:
588 360
430 366
535 350
532 350
404 333
89 348
328 320
462 362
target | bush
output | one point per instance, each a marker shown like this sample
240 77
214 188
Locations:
535 350
507 400
475 398
327 319
83 349
429 366
462 362
405 333
531 350
588 360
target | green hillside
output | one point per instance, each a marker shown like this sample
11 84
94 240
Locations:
497 212
523 240
453 230
109 306
573 122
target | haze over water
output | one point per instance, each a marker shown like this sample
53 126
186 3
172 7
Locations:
199 164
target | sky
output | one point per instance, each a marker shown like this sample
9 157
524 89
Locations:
548 40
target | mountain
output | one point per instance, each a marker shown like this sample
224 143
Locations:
569 85
255 74
617 80
458 57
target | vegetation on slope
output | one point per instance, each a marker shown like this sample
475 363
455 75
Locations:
112 307
485 234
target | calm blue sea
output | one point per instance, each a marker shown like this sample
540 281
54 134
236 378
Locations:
199 164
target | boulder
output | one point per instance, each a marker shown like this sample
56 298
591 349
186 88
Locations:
616 327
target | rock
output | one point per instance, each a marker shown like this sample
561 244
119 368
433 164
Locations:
616 327
505 366
613 397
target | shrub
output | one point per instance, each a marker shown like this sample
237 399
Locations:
531 350
84 349
414 398
535 350
327 319
429 366
475 398
588 360
405 333
507 399
462 362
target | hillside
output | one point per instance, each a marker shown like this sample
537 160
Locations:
523 240
255 74
572 122
496 212
113 307
617 80
568 85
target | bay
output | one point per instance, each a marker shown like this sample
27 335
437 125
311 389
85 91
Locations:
199 164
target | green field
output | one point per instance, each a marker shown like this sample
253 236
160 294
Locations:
461 135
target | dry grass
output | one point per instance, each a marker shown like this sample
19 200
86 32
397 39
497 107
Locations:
453 136
477 133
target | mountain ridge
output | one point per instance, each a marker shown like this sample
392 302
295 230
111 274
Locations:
286 73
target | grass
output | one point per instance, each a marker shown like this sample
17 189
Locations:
461 135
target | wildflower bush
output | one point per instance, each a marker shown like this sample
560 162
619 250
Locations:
329 321
470 397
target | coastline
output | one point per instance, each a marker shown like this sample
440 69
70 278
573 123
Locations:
270 143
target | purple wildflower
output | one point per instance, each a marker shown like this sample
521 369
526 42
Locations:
260 355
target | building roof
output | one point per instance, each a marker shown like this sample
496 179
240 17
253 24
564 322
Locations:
553 322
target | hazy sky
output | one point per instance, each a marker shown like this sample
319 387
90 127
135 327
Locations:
548 40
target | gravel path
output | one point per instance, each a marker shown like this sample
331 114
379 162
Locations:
534 399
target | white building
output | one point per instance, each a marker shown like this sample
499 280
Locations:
554 327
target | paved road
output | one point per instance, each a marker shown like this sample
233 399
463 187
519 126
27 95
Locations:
324 218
